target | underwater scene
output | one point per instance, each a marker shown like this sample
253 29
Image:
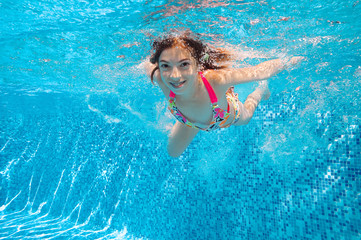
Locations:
83 131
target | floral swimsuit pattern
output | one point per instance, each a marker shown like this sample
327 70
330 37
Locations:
220 116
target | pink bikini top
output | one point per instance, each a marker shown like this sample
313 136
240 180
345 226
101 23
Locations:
219 118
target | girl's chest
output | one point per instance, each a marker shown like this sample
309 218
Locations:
200 112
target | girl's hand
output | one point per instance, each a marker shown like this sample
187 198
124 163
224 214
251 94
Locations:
294 61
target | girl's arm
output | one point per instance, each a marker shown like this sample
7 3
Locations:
179 139
259 72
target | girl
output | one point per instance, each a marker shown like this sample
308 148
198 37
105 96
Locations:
200 90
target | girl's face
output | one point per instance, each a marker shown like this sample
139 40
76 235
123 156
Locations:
178 69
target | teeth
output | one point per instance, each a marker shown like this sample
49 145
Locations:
178 84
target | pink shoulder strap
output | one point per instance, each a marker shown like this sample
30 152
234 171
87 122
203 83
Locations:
212 94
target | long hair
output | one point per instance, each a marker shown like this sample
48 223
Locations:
206 57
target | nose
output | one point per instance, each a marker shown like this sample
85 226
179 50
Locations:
175 74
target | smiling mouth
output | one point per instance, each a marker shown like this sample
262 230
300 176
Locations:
178 85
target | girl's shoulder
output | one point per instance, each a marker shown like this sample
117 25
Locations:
216 77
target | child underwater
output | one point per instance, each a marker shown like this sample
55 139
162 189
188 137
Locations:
199 88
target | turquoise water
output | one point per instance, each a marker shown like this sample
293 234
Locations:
83 132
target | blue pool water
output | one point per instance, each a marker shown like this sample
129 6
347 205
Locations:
83 132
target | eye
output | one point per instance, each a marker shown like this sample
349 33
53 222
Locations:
164 65
185 64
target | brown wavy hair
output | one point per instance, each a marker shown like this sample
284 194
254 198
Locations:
207 57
